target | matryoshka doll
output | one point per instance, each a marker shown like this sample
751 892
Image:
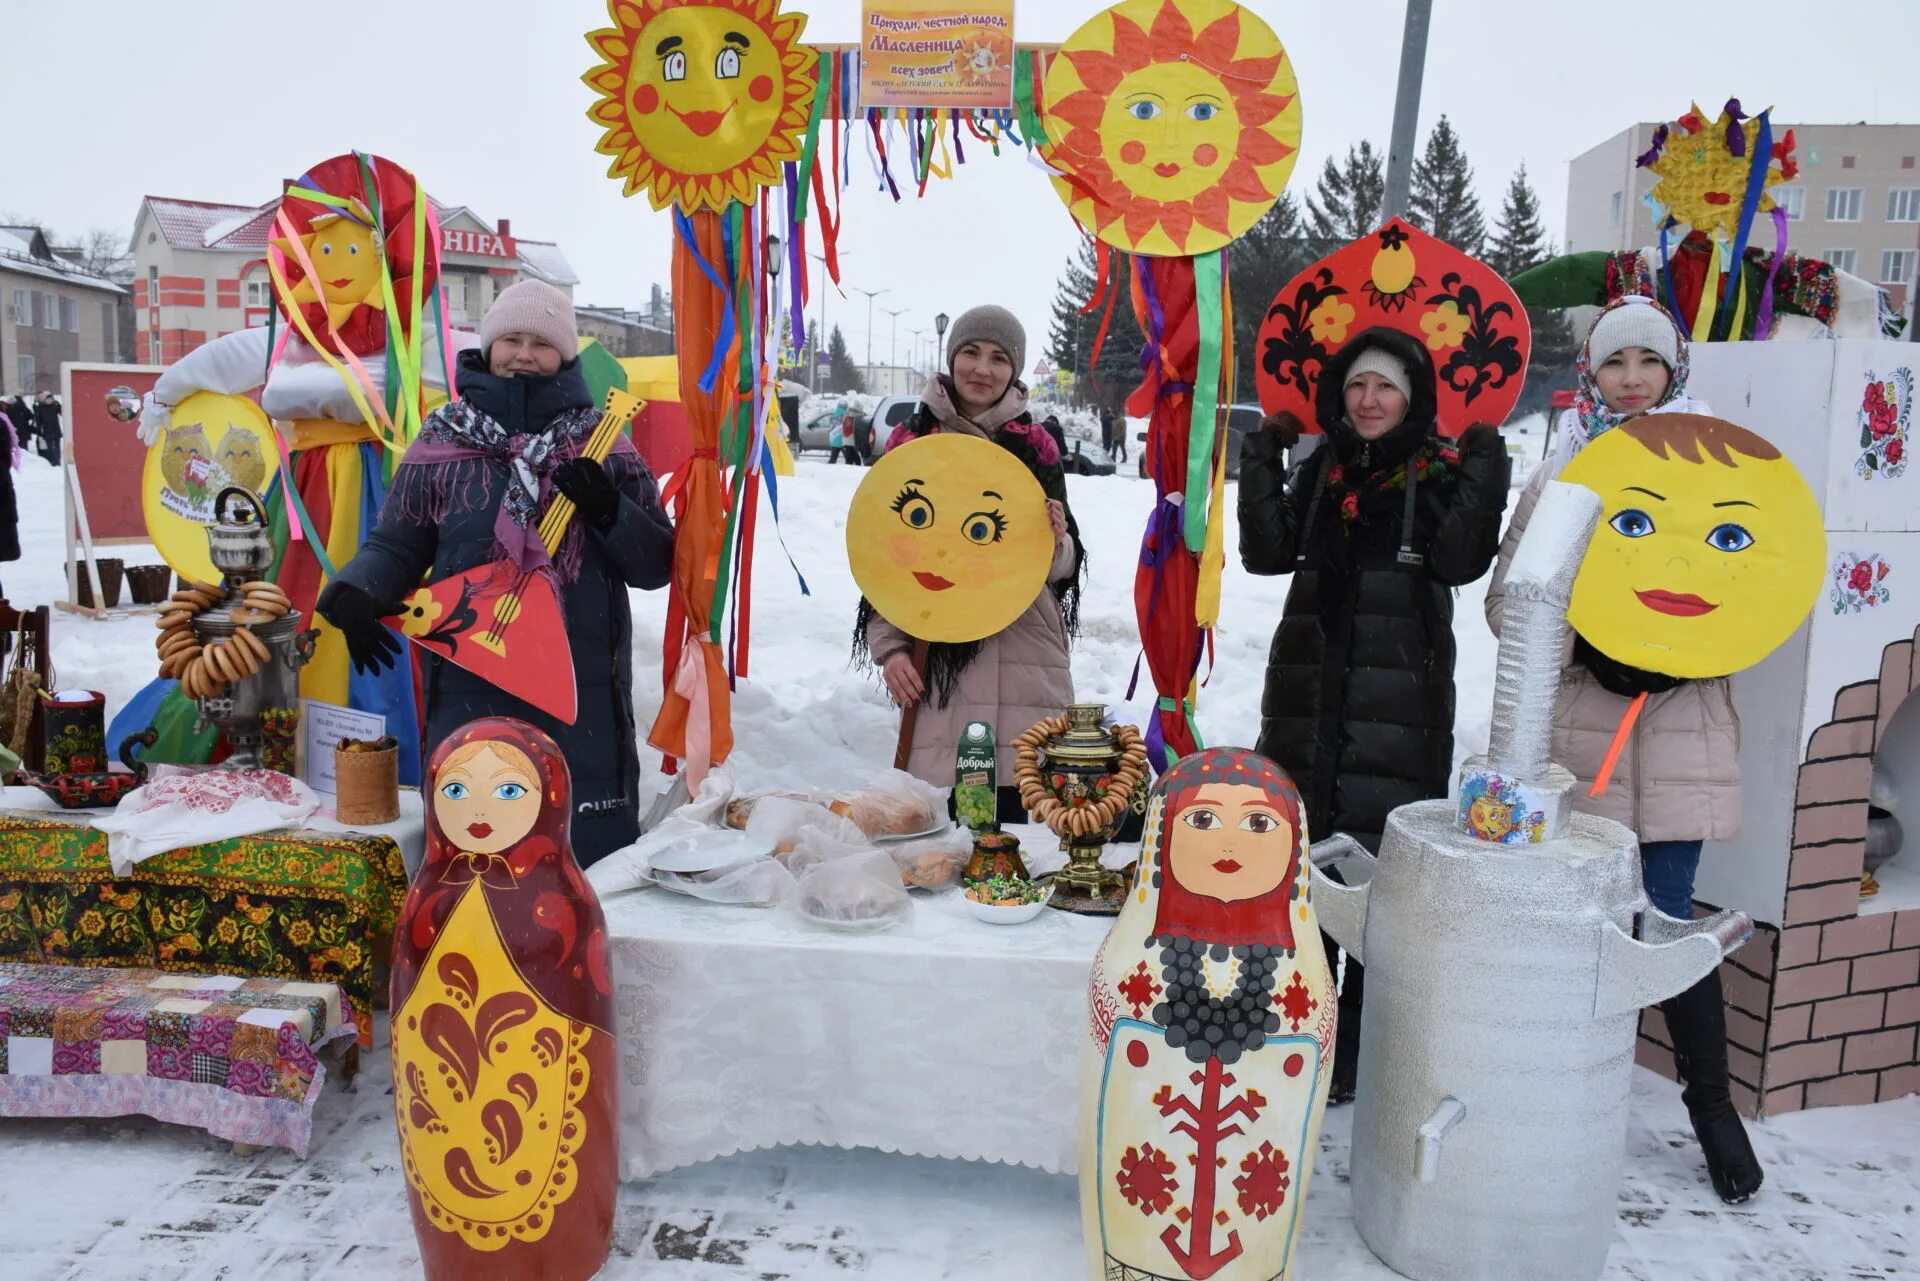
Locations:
504 1061
1212 1015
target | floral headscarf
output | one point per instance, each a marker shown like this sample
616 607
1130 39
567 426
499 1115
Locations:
1591 407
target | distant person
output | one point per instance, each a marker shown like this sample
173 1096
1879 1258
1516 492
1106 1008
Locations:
1107 439
22 415
46 425
1052 425
1120 435
9 505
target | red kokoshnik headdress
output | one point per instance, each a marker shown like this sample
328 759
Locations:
1179 912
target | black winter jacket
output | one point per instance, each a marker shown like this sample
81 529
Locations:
601 746
1359 699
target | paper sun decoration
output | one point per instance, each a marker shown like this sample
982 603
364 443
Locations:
1706 173
1472 324
361 229
701 100
1174 124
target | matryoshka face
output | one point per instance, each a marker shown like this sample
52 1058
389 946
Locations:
1230 842
488 801
1699 568
948 538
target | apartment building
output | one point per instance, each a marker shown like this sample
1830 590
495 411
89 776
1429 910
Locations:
1854 203
201 270
52 311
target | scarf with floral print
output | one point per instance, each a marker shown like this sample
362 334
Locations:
1347 486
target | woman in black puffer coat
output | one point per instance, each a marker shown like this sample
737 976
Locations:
1377 528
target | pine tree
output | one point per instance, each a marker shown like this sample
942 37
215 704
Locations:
1070 335
842 374
1275 251
1442 201
1347 199
1520 242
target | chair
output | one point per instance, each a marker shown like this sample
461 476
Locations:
40 659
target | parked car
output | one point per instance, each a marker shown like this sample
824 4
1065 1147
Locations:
888 414
1241 419
814 432
1079 462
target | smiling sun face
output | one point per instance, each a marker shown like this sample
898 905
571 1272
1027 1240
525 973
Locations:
1175 124
948 538
347 258
1709 552
701 100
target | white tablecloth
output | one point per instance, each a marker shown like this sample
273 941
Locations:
409 831
744 1028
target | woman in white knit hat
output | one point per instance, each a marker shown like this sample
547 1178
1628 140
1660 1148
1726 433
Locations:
473 489
1377 529
1678 784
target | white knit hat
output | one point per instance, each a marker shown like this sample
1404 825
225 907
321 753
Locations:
532 307
1384 363
1635 321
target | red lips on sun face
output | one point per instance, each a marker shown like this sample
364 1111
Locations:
703 123
1678 604
932 582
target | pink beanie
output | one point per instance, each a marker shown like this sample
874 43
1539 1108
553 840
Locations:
532 307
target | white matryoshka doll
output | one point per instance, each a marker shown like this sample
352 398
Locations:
1212 1016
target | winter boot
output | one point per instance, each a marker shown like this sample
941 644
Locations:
1697 1022
1346 1037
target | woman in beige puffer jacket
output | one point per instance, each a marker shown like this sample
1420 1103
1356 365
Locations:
1022 673
1677 783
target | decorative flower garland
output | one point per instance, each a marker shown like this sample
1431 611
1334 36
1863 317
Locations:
206 671
1084 817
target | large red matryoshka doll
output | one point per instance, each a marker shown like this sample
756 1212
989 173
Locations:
504 1062
1212 1015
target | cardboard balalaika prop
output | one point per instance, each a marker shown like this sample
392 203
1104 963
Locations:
504 623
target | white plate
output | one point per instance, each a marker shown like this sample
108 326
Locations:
935 830
994 914
708 852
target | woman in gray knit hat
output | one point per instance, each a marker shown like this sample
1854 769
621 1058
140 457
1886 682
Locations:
473 489
1021 673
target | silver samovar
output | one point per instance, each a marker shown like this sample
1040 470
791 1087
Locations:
259 714
1510 947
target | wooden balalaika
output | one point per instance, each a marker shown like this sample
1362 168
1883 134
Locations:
503 623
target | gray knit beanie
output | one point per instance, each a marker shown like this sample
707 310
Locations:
532 307
1633 322
996 325
1384 363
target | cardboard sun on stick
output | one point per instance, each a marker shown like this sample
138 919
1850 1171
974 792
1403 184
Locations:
701 100
948 538
1174 124
212 441
1469 318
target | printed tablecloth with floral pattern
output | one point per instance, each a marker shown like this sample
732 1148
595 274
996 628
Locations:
297 904
232 1056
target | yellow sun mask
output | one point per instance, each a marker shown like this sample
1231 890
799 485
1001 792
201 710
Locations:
344 253
1710 550
1174 123
948 538
702 100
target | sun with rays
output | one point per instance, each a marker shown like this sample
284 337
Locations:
701 100
1173 124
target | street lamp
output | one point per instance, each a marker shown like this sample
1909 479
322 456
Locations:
871 295
940 340
919 337
893 344
820 335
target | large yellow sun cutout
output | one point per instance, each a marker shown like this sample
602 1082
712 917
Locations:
701 100
1174 124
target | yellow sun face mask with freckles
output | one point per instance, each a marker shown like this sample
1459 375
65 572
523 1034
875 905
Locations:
1710 550
948 538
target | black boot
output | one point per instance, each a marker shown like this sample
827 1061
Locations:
1346 1037
1697 1022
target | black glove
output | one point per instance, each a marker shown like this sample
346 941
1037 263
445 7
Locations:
1283 425
586 482
1482 438
369 644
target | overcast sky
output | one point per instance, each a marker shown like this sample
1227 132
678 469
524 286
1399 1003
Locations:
220 99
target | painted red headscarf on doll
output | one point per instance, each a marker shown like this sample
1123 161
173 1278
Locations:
348 246
1227 842
546 912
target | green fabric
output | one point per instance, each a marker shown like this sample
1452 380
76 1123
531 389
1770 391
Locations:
1571 280
823 85
602 372
179 742
298 905
1208 275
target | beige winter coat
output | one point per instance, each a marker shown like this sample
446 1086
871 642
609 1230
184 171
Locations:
1021 674
1679 777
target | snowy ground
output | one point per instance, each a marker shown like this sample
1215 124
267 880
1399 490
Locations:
1839 1202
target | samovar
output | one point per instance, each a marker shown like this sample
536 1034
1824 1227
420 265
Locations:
260 713
1080 765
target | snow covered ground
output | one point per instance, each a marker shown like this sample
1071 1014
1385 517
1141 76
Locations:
101 1200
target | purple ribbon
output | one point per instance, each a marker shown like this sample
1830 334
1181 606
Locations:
1763 323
